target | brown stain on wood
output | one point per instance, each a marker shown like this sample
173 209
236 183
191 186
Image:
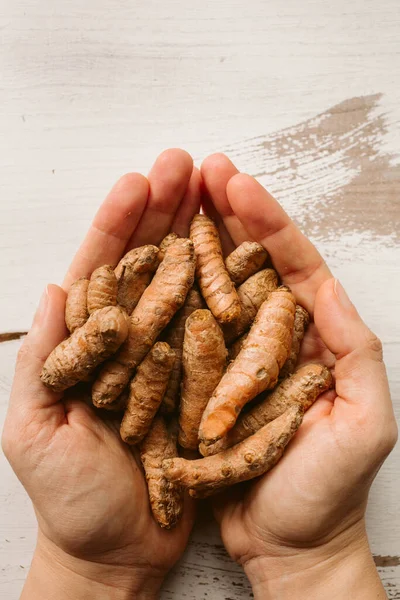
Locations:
340 179
386 561
335 168
13 335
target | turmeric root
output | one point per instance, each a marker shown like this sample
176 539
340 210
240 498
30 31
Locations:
166 498
76 312
245 260
253 457
159 302
301 322
120 403
204 357
77 356
130 258
256 367
102 290
216 286
134 273
252 293
302 388
236 347
174 335
166 243
147 389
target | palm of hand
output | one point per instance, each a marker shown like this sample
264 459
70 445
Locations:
91 485
302 500
320 486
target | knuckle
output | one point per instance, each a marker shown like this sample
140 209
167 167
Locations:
23 354
382 438
374 345
7 444
390 437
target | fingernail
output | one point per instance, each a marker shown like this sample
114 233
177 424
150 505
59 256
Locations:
42 308
341 295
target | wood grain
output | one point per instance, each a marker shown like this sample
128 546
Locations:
302 94
337 159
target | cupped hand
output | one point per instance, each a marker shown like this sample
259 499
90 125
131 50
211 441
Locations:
86 485
317 493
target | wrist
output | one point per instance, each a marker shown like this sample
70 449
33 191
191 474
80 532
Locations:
56 574
341 568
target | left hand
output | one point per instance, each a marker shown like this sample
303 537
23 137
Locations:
96 530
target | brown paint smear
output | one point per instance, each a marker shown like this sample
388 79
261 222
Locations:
14 335
334 168
387 561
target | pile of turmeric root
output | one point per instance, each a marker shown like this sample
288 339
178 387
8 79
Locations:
199 355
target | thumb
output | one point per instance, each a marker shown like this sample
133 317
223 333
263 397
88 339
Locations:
359 371
48 329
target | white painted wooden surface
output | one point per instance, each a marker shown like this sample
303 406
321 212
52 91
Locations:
89 90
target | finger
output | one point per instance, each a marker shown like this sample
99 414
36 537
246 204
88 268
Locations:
321 408
78 413
216 172
313 349
295 258
209 209
189 206
359 371
213 196
48 329
169 179
112 227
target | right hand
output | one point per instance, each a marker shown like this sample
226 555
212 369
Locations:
310 507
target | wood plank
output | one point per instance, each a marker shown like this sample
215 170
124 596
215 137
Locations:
301 94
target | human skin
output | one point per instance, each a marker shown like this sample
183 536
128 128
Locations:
299 531
97 537
87 487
